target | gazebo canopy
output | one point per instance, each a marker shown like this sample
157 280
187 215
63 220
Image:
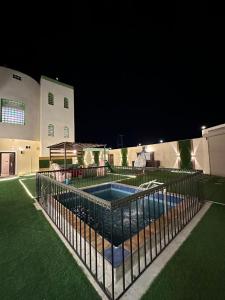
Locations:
68 149
75 146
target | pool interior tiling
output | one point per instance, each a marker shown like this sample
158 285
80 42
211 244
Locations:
111 191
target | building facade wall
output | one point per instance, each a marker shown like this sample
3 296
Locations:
26 159
89 157
55 114
200 154
26 90
216 147
168 154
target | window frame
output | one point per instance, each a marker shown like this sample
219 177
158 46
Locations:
13 104
51 98
66 103
51 130
66 132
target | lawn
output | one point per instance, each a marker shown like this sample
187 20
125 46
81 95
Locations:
30 183
127 177
87 181
213 188
197 269
34 263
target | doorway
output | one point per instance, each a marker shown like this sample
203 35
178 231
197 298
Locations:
7 163
111 159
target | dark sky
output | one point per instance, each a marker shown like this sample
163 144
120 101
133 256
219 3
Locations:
147 72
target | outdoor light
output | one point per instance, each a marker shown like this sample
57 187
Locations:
203 127
21 150
74 151
161 141
139 144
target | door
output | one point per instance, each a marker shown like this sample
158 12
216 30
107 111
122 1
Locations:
111 159
11 163
7 160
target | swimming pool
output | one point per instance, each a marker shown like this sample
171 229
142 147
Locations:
126 222
111 191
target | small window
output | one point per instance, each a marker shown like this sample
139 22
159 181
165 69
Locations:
50 130
50 99
17 77
66 102
66 132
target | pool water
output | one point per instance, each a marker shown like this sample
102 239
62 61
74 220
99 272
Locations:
111 191
111 194
135 215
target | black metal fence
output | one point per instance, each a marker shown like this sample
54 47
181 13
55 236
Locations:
82 177
118 239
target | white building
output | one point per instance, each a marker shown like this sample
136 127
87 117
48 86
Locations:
32 116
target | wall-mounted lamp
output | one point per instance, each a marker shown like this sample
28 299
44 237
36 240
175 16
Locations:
21 150
203 127
161 141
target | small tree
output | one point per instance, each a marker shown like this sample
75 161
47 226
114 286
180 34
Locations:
96 157
80 158
185 154
124 157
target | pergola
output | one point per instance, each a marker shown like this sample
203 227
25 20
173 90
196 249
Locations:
69 149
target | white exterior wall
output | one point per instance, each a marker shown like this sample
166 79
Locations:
26 160
26 90
168 154
200 154
55 114
216 148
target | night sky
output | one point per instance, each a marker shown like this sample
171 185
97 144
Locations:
146 72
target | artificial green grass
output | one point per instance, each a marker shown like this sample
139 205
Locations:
87 181
30 183
197 269
213 188
161 176
34 263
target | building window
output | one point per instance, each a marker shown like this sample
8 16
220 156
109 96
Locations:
66 102
17 77
12 112
66 132
50 130
50 99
